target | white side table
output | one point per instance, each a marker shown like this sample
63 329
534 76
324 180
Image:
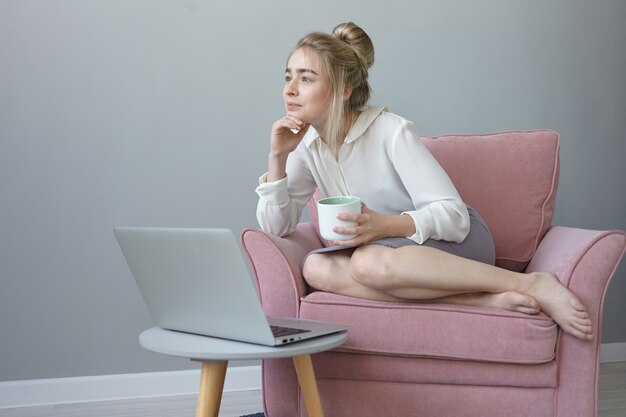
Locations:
215 354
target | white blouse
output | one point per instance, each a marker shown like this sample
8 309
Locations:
382 161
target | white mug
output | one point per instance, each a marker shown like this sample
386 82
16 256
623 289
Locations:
327 211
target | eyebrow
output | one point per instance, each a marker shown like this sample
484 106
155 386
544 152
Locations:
302 71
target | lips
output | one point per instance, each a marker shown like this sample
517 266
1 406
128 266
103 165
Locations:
293 106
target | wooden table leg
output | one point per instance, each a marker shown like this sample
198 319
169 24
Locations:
308 384
211 387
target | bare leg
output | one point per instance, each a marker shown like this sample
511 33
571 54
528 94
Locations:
406 271
331 272
415 273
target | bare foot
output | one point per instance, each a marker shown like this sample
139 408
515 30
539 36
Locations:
513 301
560 304
510 300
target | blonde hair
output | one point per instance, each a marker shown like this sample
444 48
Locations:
346 54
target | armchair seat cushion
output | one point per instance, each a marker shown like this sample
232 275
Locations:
436 331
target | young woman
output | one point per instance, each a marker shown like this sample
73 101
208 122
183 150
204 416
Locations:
415 240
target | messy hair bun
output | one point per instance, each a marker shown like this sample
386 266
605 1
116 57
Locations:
347 54
357 39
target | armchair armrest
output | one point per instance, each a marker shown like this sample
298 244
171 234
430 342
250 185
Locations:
277 266
584 261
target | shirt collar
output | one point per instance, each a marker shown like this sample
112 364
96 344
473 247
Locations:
365 119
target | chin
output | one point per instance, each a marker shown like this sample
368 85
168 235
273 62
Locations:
297 114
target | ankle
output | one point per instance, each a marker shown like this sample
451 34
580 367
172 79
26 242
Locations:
527 283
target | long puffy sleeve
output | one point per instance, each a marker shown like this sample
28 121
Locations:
281 202
439 212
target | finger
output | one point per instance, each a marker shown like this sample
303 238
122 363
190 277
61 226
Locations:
299 124
348 243
289 123
356 240
347 217
346 230
357 218
300 131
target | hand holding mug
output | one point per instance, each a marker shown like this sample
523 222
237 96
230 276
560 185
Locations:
369 225
329 211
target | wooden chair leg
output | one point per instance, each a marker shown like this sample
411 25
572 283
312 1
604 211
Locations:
308 384
211 387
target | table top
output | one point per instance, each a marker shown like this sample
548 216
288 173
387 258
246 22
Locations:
198 347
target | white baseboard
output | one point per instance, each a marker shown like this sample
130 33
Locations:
613 352
117 387
156 384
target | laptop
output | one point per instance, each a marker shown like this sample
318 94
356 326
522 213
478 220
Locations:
196 281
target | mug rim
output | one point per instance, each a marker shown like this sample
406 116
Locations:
351 200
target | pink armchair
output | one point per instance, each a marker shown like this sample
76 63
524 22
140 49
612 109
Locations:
412 360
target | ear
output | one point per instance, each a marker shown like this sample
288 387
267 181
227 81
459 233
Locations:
347 92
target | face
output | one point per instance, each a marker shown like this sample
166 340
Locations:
307 91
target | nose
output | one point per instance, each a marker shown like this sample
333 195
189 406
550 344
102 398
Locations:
291 88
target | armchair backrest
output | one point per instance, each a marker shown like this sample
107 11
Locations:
510 178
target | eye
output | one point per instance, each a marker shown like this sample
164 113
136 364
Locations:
306 79
287 78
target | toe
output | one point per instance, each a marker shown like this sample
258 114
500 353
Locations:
578 306
524 303
533 307
583 328
582 322
532 303
581 314
527 310
580 334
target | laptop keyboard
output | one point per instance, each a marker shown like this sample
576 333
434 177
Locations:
279 331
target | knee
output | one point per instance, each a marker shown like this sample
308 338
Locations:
317 272
370 266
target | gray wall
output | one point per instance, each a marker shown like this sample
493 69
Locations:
158 113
